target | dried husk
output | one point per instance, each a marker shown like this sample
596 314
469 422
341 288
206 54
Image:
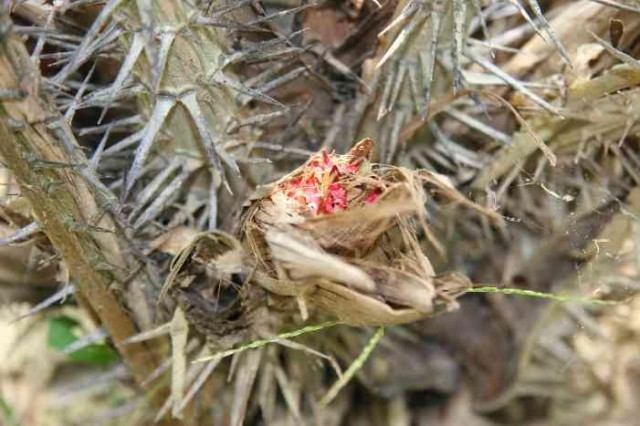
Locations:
362 264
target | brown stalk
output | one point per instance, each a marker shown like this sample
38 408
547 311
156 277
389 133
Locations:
49 174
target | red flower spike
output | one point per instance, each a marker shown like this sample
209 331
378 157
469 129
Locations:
336 198
372 197
326 160
318 190
352 167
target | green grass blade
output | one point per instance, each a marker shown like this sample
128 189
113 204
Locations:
540 295
353 368
263 342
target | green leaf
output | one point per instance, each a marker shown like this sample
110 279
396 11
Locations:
6 413
63 331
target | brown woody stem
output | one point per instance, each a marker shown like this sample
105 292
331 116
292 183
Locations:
49 169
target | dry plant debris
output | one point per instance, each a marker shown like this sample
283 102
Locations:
340 233
140 136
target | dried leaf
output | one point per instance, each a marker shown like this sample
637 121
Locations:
179 330
245 377
302 261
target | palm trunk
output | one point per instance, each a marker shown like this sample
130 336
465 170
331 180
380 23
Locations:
52 173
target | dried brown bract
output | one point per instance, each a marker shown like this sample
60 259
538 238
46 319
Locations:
339 234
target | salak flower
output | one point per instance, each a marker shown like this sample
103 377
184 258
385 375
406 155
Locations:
339 235
325 184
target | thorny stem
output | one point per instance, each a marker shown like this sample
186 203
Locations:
61 198
189 98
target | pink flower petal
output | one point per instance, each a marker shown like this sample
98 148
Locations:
372 197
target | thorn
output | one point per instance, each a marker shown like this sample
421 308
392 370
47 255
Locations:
552 39
197 384
265 50
406 12
483 24
459 37
190 102
96 336
124 143
159 331
12 94
166 41
83 50
399 119
161 201
71 109
277 82
162 108
21 234
400 77
478 125
145 12
412 76
39 164
617 5
154 186
58 296
228 25
495 70
130 60
617 53
95 159
213 201
123 124
100 98
257 55
430 61
76 226
339 66
280 14
402 37
257 119
159 371
223 80
63 133
42 37
383 107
